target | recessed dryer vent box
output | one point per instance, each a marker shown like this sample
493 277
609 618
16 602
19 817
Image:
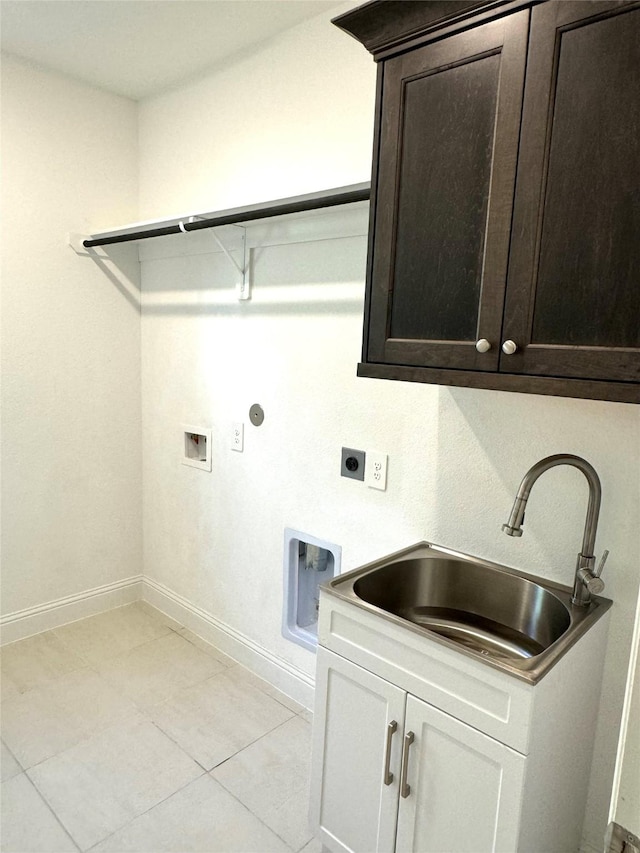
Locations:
308 562
196 447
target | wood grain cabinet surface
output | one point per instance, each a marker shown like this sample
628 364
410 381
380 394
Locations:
504 246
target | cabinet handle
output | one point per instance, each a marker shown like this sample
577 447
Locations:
483 345
509 347
388 775
405 789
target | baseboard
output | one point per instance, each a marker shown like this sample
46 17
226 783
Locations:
287 678
53 614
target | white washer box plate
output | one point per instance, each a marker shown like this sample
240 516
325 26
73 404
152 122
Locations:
486 699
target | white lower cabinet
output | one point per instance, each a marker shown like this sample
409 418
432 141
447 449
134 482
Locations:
464 788
355 809
393 773
495 765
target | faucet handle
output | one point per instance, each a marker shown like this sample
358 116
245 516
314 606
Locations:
594 584
603 560
589 578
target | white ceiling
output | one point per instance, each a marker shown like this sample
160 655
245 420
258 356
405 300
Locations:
139 48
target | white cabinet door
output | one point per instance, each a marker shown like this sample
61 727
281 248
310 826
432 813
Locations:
352 807
465 788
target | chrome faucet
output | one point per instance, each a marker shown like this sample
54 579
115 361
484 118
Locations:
587 581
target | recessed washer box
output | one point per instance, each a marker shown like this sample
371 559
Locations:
308 562
196 447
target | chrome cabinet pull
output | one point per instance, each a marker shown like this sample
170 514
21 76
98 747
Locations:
509 347
483 345
388 775
405 789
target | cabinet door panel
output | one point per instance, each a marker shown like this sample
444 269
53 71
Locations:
574 295
437 276
466 788
446 170
351 807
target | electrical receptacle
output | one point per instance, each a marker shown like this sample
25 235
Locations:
237 436
376 471
352 463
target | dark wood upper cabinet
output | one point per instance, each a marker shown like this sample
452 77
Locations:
505 195
573 297
448 148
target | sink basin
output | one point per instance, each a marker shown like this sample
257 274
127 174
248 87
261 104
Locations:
513 621
482 608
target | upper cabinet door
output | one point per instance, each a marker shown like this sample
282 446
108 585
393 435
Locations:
448 143
573 296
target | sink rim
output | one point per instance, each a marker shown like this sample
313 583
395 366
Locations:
530 669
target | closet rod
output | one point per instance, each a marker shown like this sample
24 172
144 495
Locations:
239 217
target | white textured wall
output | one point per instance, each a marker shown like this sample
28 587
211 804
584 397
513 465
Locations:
71 472
294 117
290 118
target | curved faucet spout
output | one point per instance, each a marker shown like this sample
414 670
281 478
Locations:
586 580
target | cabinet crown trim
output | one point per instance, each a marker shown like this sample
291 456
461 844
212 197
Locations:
384 25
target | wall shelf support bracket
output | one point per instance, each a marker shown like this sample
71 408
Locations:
242 287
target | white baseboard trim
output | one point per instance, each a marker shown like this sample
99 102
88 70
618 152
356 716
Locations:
287 678
53 614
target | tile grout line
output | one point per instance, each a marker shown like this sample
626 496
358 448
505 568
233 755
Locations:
15 758
52 810
86 735
270 695
237 752
90 663
146 811
233 665
254 683
251 812
180 747
266 734
251 743
50 807
229 791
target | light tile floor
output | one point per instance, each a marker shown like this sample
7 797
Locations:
126 732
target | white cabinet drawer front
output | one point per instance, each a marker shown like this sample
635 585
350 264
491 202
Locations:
465 788
351 807
478 695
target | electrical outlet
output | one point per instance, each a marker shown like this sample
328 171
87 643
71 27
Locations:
237 436
376 471
352 464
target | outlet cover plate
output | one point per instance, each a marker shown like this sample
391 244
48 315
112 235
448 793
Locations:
376 473
352 463
237 436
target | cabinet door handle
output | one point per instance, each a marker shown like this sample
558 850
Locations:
509 347
405 789
388 775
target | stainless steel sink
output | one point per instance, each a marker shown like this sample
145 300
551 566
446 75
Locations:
513 621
